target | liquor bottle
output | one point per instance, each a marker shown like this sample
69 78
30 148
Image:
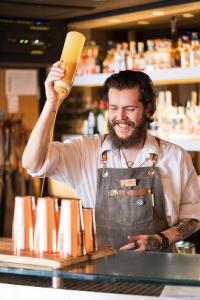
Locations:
184 45
193 98
92 118
161 55
91 123
117 59
108 63
175 51
139 57
195 50
99 60
124 54
94 54
131 55
101 118
150 62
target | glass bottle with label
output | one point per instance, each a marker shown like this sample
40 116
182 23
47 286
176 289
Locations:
150 56
195 50
175 51
131 55
139 57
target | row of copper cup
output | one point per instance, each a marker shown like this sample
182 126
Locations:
47 228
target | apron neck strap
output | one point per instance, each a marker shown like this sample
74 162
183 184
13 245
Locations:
104 154
158 141
153 156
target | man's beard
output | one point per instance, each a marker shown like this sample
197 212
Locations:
137 137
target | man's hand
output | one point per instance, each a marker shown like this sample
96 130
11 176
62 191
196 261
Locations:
178 232
56 73
143 243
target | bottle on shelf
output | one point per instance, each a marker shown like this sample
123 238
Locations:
184 45
139 63
193 98
176 121
117 58
99 60
196 121
175 51
91 59
162 54
102 118
131 55
91 123
195 50
124 56
150 56
108 62
96 119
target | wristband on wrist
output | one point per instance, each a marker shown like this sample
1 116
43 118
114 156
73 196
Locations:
164 240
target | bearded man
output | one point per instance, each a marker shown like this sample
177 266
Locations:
144 190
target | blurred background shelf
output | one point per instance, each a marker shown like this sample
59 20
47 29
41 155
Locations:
159 77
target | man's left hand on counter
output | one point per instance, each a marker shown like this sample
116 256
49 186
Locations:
143 243
178 232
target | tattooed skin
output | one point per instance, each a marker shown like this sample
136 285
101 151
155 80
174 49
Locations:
186 227
178 232
152 244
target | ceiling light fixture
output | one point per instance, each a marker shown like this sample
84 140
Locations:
158 13
143 22
114 21
188 15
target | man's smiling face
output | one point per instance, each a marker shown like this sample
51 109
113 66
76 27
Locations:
126 115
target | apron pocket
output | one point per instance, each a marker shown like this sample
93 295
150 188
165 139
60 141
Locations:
130 211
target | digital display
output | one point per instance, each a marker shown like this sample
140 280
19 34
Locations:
30 41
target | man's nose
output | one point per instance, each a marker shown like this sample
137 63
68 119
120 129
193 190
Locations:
121 114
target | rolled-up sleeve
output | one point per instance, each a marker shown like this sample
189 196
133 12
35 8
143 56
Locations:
190 195
62 163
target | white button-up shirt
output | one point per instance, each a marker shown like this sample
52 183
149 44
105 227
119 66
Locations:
76 163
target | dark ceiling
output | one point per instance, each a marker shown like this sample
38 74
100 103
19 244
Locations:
60 9
68 9
85 15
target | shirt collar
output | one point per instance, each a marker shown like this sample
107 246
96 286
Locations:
106 145
151 145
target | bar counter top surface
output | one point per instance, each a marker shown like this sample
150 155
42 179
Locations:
167 268
127 266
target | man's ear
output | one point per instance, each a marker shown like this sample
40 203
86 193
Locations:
148 111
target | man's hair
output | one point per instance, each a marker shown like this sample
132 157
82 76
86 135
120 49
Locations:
129 79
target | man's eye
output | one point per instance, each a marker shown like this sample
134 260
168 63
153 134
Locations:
113 108
130 109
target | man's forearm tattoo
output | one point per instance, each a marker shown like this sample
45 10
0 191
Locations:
152 244
186 227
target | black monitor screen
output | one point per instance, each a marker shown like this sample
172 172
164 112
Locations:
30 42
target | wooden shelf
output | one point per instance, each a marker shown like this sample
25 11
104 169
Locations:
159 77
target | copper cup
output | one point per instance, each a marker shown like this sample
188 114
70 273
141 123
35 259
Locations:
64 232
69 233
23 223
94 231
45 237
76 228
57 212
87 218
